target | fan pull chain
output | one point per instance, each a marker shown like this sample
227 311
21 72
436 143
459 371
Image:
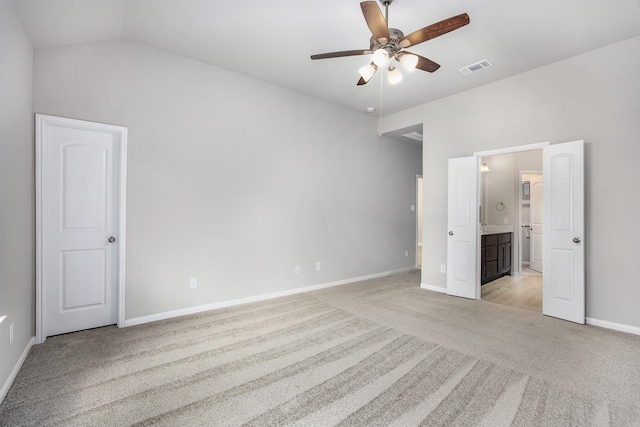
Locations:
380 109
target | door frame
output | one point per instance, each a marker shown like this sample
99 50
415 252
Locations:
479 155
42 121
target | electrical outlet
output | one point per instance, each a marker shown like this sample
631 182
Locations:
317 266
11 333
506 220
406 254
443 269
194 282
413 208
296 269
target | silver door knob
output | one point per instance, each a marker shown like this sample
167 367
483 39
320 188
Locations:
451 233
576 240
112 239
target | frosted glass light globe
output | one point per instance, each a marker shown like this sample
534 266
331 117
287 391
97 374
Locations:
368 71
408 61
380 57
395 76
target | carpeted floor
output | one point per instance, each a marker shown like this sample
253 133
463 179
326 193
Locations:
381 352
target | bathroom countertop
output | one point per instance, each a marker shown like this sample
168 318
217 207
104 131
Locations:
496 229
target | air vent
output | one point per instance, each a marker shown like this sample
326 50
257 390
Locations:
413 135
475 67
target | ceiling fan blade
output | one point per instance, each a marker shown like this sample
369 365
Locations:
341 54
425 64
375 20
435 30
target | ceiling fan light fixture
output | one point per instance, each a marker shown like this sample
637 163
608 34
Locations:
394 76
408 61
380 57
368 71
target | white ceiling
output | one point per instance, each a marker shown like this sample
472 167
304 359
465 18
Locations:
272 40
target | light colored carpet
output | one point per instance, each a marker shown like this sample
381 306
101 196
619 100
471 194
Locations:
379 352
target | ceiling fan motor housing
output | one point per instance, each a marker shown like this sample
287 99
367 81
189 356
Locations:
392 46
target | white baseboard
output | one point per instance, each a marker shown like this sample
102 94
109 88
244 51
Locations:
612 325
433 288
217 305
16 369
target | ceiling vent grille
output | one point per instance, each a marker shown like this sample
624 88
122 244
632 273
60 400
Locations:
475 67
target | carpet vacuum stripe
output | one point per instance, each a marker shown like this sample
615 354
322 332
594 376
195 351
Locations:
377 353
115 373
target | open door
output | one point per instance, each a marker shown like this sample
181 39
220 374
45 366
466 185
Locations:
563 247
462 219
536 219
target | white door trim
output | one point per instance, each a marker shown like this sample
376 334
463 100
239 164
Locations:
516 149
42 121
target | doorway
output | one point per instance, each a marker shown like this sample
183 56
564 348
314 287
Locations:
80 225
563 251
507 229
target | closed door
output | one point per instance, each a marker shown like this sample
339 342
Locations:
537 224
79 168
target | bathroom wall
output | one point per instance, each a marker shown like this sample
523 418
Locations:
501 185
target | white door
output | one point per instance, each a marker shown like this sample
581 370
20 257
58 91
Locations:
537 223
79 168
462 218
563 252
419 202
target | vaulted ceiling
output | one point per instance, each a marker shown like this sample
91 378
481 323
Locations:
273 40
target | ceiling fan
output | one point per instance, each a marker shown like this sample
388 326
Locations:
388 44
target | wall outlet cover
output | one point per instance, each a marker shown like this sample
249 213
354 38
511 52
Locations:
296 269
194 282
443 269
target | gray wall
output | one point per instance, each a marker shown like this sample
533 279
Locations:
595 97
17 193
233 180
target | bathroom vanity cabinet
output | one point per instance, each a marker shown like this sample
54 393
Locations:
495 258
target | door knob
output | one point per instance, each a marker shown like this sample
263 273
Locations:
112 239
451 233
576 240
